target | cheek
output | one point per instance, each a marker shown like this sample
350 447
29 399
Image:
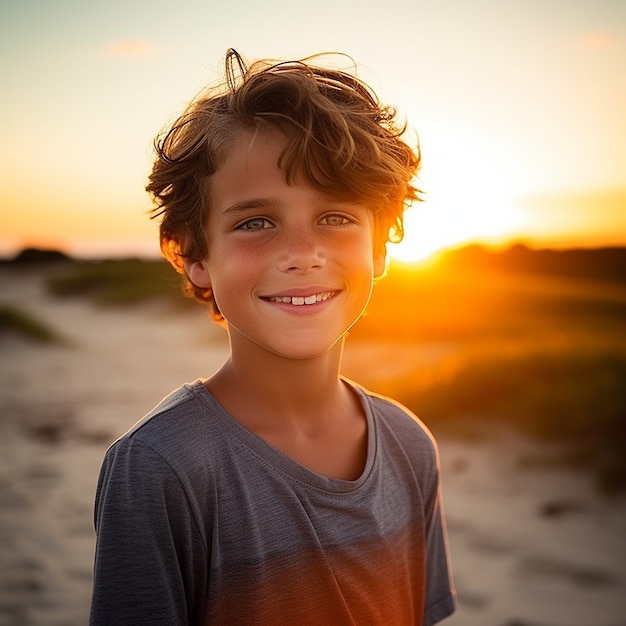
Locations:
359 254
236 271
241 250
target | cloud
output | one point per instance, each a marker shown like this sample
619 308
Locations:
133 49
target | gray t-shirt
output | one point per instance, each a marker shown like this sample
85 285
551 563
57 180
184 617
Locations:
200 521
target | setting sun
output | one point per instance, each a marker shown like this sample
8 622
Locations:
431 227
468 195
468 181
521 129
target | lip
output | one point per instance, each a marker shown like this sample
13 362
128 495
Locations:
301 292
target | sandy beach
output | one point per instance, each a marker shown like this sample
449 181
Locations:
530 546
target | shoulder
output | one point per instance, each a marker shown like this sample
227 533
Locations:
184 409
405 447
398 427
393 413
178 429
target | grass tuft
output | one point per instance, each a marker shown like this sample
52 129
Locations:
118 282
573 398
14 320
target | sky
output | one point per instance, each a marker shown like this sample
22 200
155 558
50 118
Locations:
519 108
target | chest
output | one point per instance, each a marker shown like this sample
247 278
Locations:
352 557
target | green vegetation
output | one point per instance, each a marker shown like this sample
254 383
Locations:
118 282
543 353
574 398
14 320
538 349
483 304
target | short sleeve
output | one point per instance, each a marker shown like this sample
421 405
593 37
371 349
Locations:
440 594
150 560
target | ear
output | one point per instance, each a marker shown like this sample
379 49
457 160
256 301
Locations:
380 262
197 273
379 246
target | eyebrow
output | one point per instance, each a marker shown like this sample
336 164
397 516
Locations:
252 203
259 203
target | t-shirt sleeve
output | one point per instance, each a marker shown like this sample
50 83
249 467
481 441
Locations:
440 593
150 560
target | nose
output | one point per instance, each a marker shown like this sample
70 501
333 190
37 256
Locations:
300 251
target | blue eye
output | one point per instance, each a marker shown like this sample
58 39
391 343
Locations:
256 223
336 220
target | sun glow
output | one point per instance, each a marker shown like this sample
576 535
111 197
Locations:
422 237
431 227
468 196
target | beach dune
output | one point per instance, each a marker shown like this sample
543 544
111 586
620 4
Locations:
530 546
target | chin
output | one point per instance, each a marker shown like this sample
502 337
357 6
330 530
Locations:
302 351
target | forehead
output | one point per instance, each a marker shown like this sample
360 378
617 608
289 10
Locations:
250 177
253 149
261 160
249 167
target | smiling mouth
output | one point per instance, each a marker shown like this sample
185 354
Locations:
302 300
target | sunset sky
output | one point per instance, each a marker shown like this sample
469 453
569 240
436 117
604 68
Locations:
519 106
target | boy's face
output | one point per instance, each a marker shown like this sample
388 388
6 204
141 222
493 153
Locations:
291 269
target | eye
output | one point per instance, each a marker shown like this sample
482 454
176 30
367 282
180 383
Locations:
255 223
336 219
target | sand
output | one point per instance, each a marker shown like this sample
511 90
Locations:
530 546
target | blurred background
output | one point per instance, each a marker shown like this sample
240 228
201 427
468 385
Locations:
518 108
500 322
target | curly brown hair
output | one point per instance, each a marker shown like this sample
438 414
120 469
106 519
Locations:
340 139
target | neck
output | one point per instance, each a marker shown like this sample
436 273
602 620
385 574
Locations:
267 385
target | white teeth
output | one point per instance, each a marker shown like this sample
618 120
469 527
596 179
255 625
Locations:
301 300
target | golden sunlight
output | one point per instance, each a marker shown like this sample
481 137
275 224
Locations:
424 234
433 226
469 196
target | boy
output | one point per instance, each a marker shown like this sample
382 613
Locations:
276 491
